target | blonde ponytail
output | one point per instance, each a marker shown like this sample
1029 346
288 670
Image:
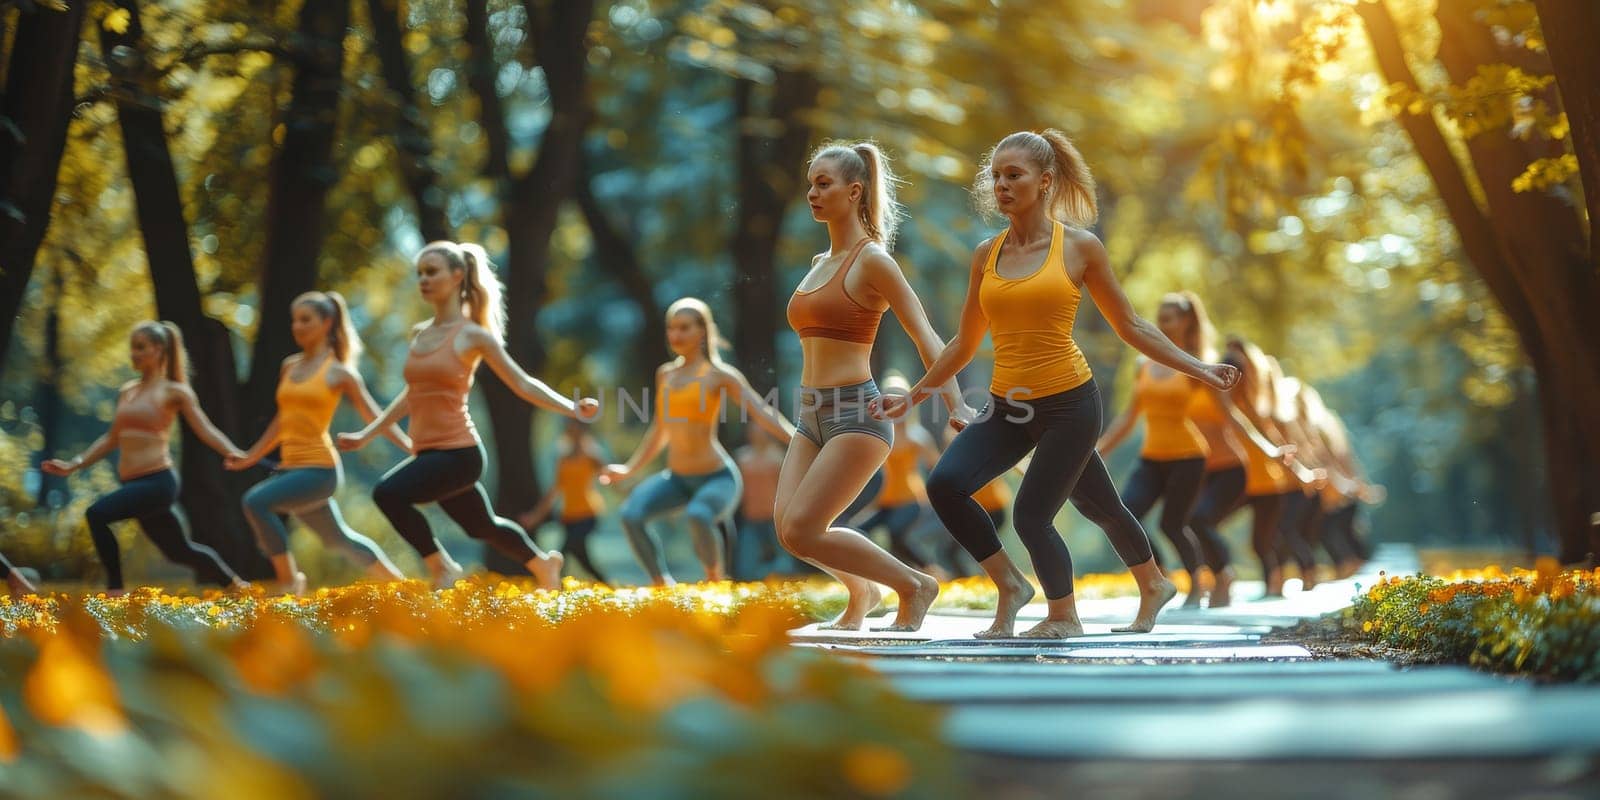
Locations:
482 294
1071 196
169 338
879 209
342 337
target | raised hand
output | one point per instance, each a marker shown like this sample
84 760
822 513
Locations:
613 474
349 442
59 467
588 408
1221 377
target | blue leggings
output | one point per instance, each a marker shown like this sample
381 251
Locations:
307 493
708 500
149 500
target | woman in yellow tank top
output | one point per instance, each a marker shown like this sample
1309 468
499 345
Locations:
700 477
308 472
578 465
1024 290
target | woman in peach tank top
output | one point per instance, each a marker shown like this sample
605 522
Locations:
836 310
468 328
309 389
146 409
1024 290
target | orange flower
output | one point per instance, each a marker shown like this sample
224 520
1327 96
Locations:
876 770
69 687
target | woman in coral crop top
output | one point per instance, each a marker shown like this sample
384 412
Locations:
835 311
578 464
310 386
700 478
140 429
468 328
1024 290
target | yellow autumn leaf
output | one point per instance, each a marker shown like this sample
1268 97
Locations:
117 21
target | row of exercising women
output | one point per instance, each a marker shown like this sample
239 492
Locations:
1024 289
1269 444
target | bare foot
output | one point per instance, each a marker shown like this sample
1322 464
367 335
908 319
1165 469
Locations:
664 582
914 607
547 569
1221 594
1150 602
1195 596
380 571
1308 580
864 597
239 585
1012 597
1053 629
296 585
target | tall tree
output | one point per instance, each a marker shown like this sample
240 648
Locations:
209 494
411 138
1571 27
34 113
1529 248
302 173
558 34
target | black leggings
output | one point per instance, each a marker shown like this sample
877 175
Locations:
1265 509
1061 430
576 543
1298 529
449 478
1177 485
1222 490
1339 535
149 500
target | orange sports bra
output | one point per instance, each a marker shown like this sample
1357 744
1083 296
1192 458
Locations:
829 312
437 384
138 416
690 402
1030 322
1169 434
305 410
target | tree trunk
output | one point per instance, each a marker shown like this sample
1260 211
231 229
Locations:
47 402
1571 27
769 151
1522 246
302 173
34 114
615 254
410 134
210 495
530 202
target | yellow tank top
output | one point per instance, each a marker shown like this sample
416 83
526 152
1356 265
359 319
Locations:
902 482
305 409
575 483
691 402
1209 416
993 496
1030 321
1169 434
1262 475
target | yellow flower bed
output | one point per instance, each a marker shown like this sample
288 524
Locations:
1542 621
490 688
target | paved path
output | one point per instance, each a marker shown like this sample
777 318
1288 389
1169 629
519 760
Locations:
1204 688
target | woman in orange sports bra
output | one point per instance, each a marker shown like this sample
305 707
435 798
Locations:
1024 290
468 328
145 412
310 386
836 310
578 465
700 478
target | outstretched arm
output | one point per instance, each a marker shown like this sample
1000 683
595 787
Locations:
189 406
1137 331
961 348
754 404
530 389
99 449
355 390
886 278
655 438
398 408
269 439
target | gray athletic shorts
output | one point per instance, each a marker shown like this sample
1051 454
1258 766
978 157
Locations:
826 413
